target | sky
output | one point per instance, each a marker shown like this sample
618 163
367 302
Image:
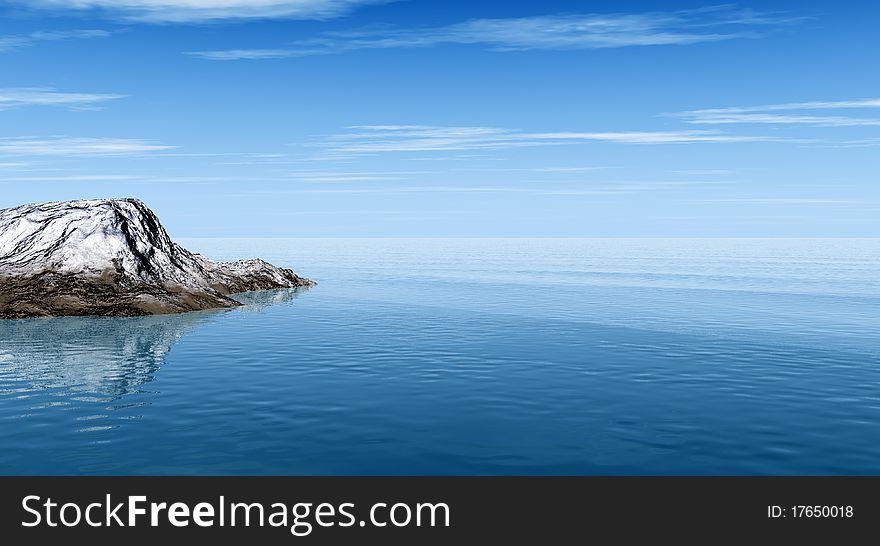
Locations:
422 118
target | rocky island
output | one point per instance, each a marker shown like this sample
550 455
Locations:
112 257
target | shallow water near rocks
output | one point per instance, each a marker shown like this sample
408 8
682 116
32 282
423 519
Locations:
472 356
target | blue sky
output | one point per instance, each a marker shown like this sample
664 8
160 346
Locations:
424 118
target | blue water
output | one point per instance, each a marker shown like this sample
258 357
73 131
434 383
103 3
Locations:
472 357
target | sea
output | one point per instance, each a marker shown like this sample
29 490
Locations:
472 357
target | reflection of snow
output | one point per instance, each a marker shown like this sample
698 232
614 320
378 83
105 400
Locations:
108 356
263 299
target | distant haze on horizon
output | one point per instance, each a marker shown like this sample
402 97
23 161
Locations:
418 118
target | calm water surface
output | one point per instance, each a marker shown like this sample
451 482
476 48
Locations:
472 357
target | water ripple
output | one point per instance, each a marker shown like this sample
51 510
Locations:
473 357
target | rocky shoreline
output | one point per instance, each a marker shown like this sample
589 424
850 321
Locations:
112 257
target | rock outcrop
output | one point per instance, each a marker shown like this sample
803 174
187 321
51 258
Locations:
112 257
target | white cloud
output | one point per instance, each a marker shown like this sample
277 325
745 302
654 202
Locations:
860 143
568 170
73 178
814 105
242 54
705 172
64 146
18 41
796 113
549 32
651 137
371 139
40 96
778 201
199 11
817 121
338 177
607 189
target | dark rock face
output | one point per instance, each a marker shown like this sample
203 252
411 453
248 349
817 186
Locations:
113 258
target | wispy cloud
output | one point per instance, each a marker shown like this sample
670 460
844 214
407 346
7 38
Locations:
18 41
706 172
548 32
73 178
792 113
64 146
568 170
813 105
779 201
250 54
860 143
372 139
608 189
339 177
46 96
200 11
467 190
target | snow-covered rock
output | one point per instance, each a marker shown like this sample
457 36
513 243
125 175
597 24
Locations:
113 257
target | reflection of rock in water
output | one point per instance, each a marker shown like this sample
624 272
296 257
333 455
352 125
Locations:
263 299
104 356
